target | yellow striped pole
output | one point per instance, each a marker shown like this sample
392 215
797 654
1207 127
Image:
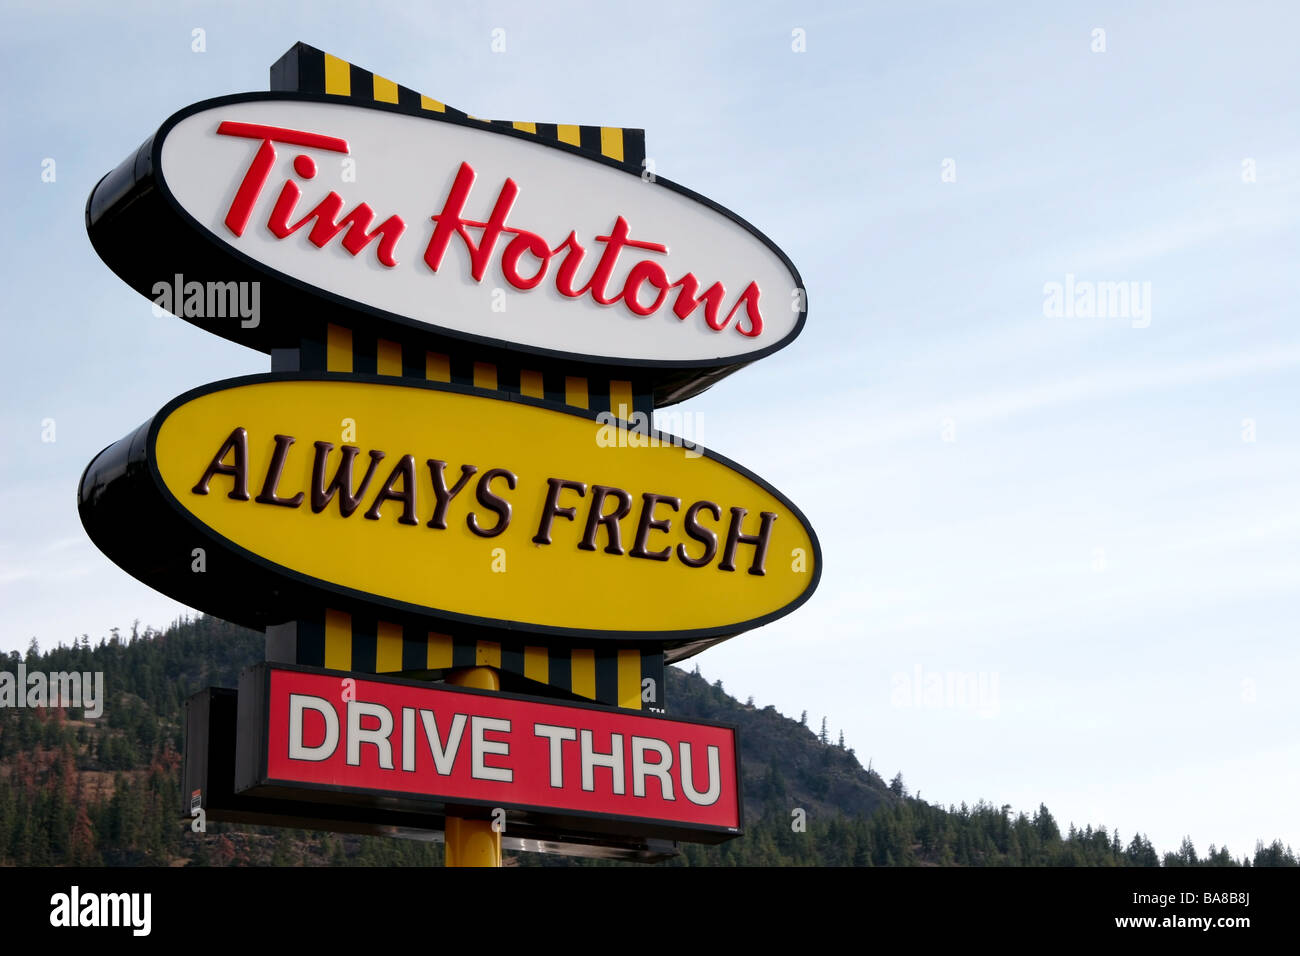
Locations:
473 842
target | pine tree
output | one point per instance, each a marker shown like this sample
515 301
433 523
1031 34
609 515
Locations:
1048 831
824 736
1275 854
1141 853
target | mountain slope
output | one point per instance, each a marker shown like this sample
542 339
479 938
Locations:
107 791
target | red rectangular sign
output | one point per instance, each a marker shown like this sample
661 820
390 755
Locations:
362 735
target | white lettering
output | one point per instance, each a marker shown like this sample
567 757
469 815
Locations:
358 735
659 769
556 737
700 798
591 759
480 746
297 749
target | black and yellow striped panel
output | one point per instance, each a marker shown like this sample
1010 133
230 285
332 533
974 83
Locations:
305 69
354 351
346 642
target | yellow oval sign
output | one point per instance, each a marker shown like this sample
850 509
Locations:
483 508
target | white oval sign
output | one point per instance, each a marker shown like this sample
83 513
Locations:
474 231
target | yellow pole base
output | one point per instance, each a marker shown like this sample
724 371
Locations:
473 842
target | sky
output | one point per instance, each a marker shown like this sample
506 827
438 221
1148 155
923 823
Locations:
1091 519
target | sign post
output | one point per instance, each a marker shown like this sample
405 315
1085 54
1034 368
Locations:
470 842
450 475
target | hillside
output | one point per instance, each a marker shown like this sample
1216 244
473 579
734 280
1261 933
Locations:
107 791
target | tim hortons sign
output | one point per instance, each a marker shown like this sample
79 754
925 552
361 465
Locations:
500 515
471 324
438 227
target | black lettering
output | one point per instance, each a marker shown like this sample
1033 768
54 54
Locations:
442 497
759 541
706 536
341 484
273 473
405 470
553 509
595 518
492 502
238 441
649 521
